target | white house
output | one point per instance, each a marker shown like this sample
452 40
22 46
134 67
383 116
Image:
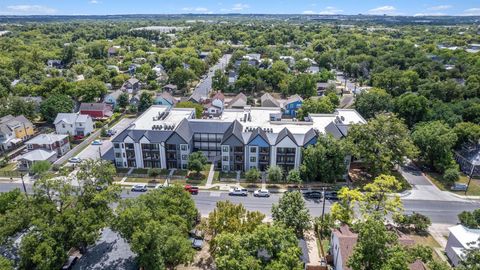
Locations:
73 124
460 238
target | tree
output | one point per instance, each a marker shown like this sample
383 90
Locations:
416 222
322 105
156 225
304 85
16 106
275 174
467 133
146 100
435 141
383 143
375 101
181 77
196 162
219 80
122 100
188 104
324 161
54 104
252 175
471 260
376 247
294 177
451 175
228 217
343 209
470 219
411 107
40 167
154 173
324 225
90 90
5 264
291 212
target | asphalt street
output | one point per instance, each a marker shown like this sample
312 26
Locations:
444 212
203 88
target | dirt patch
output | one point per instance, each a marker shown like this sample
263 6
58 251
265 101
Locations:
202 261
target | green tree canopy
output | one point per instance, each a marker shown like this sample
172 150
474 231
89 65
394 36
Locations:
146 100
50 107
292 212
375 101
188 104
322 105
275 174
196 162
411 107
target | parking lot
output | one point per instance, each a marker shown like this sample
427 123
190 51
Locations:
94 151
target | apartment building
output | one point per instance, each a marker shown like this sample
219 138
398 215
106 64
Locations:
236 140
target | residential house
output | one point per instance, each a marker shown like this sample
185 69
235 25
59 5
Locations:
292 105
204 55
196 97
460 239
51 142
343 241
96 110
113 51
232 77
238 102
268 101
112 97
53 63
37 100
73 124
235 140
14 130
215 105
473 48
158 69
290 60
469 158
131 86
321 88
313 69
134 100
165 98
171 88
26 161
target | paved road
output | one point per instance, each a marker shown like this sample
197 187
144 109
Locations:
93 151
203 88
444 212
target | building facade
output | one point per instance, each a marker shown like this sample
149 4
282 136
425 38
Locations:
237 140
73 124
14 130
51 142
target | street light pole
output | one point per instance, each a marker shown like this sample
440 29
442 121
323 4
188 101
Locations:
24 187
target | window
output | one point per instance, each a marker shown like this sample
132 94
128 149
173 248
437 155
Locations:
118 155
184 166
225 168
253 149
80 124
253 159
184 157
63 125
183 147
225 158
116 145
225 149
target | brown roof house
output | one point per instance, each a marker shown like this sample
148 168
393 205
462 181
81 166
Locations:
238 102
268 101
343 241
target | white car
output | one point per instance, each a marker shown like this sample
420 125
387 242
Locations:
139 188
238 192
261 193
75 160
159 186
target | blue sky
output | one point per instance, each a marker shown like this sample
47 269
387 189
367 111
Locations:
101 7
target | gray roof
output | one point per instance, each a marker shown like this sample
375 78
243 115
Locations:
167 96
294 98
235 129
184 130
285 133
208 127
239 100
331 128
38 155
47 138
93 106
154 136
70 118
115 94
269 101
256 132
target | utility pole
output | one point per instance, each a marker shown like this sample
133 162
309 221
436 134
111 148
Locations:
323 207
470 178
24 187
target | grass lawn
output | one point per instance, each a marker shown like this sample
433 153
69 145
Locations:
158 180
180 173
427 240
9 167
122 170
437 179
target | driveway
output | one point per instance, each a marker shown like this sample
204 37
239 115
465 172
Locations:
422 188
94 151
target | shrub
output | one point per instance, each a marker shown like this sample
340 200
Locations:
275 174
451 175
252 175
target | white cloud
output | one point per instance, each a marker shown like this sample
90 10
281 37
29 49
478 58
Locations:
472 12
310 12
383 10
440 7
330 11
240 6
429 14
30 10
197 9
94 2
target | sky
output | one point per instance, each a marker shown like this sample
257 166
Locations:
108 7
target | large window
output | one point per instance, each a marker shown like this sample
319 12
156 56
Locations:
209 143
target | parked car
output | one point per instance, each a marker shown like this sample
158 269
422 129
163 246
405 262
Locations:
193 190
331 195
196 237
75 160
313 195
459 187
139 188
72 260
159 186
261 193
111 132
78 137
97 142
238 192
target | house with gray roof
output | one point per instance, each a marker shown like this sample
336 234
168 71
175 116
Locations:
73 124
112 97
58 143
236 140
14 130
268 101
238 102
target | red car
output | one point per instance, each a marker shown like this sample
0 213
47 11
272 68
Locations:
193 190
78 137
